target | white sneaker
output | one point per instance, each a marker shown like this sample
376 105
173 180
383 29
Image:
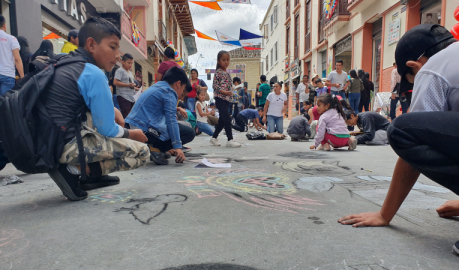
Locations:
233 144
214 142
313 129
352 144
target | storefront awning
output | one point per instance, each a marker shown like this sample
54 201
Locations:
55 24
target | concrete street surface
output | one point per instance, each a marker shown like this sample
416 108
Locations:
275 208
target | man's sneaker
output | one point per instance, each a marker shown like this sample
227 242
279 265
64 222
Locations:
352 144
313 128
68 183
214 142
167 155
99 182
186 149
158 158
233 144
456 248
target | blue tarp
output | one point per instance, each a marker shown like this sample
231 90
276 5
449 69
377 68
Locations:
247 35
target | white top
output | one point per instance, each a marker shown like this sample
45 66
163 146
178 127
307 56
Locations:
436 86
8 43
301 89
276 103
334 77
203 109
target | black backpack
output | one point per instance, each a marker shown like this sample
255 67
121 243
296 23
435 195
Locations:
255 135
30 138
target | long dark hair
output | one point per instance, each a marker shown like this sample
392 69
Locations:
353 74
363 77
46 49
219 56
25 54
334 103
345 105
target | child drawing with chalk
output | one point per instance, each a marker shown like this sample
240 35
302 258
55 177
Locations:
222 91
332 130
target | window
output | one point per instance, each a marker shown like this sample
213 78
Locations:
150 79
307 16
287 48
275 14
297 2
275 52
272 23
267 64
297 35
288 9
272 57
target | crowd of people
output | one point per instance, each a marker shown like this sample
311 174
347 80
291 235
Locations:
158 123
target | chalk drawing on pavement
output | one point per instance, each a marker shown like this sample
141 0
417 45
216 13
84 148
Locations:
146 209
12 242
257 188
316 184
315 167
417 186
113 196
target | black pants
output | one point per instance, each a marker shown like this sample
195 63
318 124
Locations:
225 119
187 135
364 101
125 106
393 107
234 110
429 141
241 123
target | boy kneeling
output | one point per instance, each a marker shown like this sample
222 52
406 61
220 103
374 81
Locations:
82 87
299 128
373 125
244 116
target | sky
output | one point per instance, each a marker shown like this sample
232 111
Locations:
229 20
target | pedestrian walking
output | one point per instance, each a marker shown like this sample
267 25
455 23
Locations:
125 85
168 62
45 50
395 79
338 80
9 59
354 91
72 42
25 54
365 95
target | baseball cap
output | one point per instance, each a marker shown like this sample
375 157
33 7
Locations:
414 44
73 33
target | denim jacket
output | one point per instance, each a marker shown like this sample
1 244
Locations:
156 108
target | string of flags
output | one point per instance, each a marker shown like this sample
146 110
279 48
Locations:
246 39
215 4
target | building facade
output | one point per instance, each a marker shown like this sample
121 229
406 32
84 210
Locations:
362 33
155 21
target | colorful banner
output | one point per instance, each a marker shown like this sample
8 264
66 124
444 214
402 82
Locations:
243 35
227 40
203 36
211 5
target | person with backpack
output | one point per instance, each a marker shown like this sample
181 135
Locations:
81 88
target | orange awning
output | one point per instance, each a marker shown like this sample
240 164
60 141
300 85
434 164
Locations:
52 36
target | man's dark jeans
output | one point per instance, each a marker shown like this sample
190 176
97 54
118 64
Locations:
241 123
429 141
187 135
393 107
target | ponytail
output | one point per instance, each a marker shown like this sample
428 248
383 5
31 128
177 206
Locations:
334 103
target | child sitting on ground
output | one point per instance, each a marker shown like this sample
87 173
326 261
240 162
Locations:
202 113
244 116
298 130
373 125
332 129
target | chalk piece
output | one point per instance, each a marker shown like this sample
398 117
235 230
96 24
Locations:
369 170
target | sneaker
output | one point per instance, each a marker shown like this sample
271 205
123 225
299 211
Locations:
456 248
233 144
186 149
99 182
167 155
313 129
214 142
68 183
352 144
158 158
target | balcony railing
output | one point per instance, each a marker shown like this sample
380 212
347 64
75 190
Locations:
126 29
162 31
340 9
307 43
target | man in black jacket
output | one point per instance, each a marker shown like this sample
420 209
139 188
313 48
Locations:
373 125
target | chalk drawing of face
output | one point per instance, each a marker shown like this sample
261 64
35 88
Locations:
147 209
315 168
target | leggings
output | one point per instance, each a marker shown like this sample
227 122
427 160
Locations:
225 119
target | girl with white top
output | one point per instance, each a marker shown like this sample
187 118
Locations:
275 108
332 129
202 113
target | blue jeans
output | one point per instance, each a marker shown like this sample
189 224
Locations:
115 102
190 104
206 128
354 100
275 122
393 107
339 93
6 84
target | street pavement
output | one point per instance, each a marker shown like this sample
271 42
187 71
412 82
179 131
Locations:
275 208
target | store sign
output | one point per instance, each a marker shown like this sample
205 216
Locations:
286 77
77 12
394 31
295 71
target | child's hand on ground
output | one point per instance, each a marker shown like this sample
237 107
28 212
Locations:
180 156
312 147
449 209
364 219
137 135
